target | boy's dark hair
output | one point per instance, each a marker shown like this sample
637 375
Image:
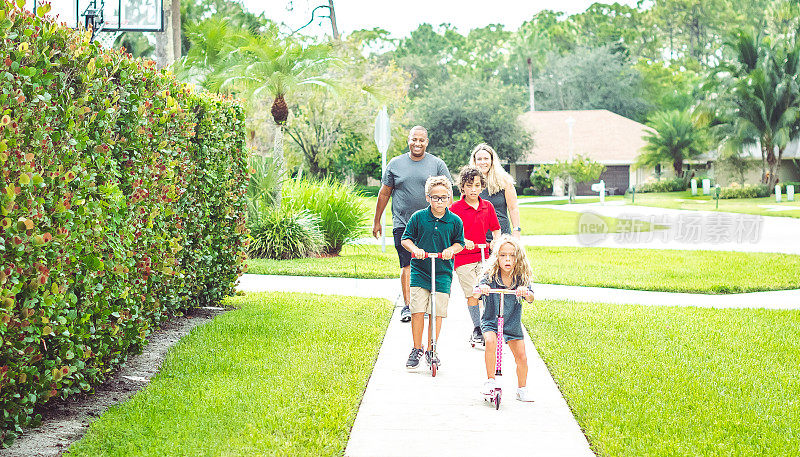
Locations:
468 174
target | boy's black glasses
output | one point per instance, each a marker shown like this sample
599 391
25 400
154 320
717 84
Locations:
436 198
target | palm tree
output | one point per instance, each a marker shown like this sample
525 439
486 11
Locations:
267 69
674 137
761 97
213 41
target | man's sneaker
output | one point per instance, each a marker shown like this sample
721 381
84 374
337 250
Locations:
477 336
428 359
523 394
413 358
405 314
488 386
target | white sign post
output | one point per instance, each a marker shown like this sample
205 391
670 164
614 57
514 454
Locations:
383 136
778 193
694 187
600 187
706 186
790 193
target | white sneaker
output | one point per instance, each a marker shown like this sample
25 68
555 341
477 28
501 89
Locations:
488 386
523 394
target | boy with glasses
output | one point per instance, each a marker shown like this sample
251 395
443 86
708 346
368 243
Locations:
431 230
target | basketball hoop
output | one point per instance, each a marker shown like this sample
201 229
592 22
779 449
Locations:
93 17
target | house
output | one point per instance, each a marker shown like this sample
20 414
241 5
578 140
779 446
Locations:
789 172
603 136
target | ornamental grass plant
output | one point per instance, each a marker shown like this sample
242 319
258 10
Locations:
285 233
341 209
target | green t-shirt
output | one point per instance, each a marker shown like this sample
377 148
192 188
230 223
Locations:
433 235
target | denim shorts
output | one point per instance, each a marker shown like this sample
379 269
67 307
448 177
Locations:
512 316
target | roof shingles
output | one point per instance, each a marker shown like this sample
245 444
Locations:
601 135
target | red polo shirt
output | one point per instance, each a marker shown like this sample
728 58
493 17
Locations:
476 223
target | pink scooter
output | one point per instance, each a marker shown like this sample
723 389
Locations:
496 394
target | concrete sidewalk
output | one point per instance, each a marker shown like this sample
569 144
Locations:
410 413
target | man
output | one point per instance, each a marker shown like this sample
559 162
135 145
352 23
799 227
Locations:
404 182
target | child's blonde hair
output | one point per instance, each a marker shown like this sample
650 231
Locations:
497 178
521 275
438 181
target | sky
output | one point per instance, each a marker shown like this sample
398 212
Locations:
401 17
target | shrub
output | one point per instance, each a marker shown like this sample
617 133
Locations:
746 191
541 181
286 233
529 191
342 212
121 203
667 185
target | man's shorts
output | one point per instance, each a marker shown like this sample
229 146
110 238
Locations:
402 253
468 277
421 301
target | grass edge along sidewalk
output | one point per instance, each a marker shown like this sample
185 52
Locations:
283 374
653 381
764 206
663 270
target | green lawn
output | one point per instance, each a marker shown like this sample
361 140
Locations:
282 375
685 200
641 269
547 221
663 381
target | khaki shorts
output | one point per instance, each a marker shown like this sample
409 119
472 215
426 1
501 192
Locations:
468 277
421 301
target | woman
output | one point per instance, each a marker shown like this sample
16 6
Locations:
499 189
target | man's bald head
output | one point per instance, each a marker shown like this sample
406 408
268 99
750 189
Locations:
418 128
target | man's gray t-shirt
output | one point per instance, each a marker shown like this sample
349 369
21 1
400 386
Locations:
407 178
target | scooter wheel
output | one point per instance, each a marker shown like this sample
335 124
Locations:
497 398
434 367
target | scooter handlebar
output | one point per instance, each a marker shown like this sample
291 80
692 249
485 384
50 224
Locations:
477 290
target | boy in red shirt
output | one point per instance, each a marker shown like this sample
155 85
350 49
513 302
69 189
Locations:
479 217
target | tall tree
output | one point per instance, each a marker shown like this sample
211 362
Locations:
268 68
465 112
597 78
759 97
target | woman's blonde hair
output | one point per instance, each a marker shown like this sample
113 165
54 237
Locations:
521 275
497 178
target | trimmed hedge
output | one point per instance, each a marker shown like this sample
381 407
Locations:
746 191
122 202
667 185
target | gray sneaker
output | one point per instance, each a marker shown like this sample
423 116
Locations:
405 314
413 358
477 336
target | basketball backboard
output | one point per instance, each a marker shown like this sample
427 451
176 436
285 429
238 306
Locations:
118 15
